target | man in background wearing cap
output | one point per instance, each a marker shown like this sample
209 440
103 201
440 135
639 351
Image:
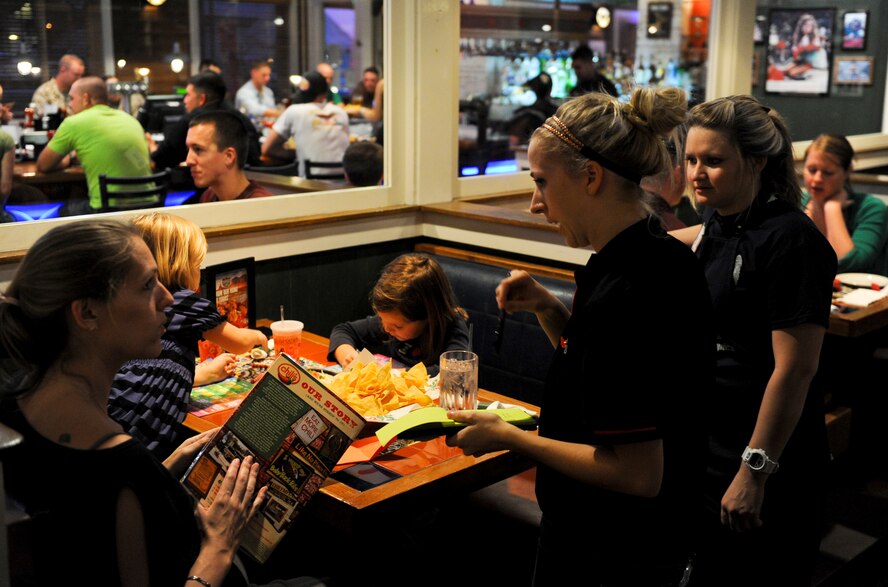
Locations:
528 118
318 127
589 79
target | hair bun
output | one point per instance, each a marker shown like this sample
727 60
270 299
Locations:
658 109
633 112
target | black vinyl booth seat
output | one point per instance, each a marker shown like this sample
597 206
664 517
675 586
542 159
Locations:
519 368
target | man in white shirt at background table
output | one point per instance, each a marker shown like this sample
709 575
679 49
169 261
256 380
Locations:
318 127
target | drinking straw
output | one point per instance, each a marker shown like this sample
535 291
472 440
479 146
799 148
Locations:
282 312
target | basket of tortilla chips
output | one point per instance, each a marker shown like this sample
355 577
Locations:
375 391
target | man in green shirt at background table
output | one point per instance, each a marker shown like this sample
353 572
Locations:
104 140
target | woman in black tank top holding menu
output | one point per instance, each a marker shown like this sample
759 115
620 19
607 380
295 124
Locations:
85 299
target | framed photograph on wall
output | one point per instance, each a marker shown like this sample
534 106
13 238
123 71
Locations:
659 24
853 71
232 288
800 51
854 30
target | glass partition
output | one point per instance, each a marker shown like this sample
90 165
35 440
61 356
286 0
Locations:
516 64
506 44
152 47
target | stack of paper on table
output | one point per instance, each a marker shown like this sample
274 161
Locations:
862 297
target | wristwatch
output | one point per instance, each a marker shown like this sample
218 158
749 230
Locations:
758 462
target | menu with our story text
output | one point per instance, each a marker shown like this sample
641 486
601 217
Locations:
297 430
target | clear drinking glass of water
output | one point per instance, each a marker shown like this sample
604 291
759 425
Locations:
458 380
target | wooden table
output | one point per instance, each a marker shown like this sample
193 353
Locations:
26 172
845 374
430 470
860 321
314 347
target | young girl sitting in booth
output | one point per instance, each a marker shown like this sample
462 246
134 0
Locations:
417 316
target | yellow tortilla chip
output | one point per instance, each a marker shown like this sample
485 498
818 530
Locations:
417 375
400 385
375 391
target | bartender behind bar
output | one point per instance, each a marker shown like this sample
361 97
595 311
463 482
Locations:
51 99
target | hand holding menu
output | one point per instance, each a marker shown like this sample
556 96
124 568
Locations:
297 430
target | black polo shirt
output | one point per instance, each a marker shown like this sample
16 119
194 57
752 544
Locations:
635 358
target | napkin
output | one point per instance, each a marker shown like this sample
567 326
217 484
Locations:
498 405
863 297
364 357
361 451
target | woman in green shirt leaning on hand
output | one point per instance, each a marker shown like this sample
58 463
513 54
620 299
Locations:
854 223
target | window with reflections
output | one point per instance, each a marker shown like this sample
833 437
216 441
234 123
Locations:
152 47
518 62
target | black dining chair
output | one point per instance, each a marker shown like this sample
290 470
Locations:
291 168
332 170
137 193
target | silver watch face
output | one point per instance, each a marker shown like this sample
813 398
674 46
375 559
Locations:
756 461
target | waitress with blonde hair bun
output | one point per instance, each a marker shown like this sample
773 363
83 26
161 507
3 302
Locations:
620 460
